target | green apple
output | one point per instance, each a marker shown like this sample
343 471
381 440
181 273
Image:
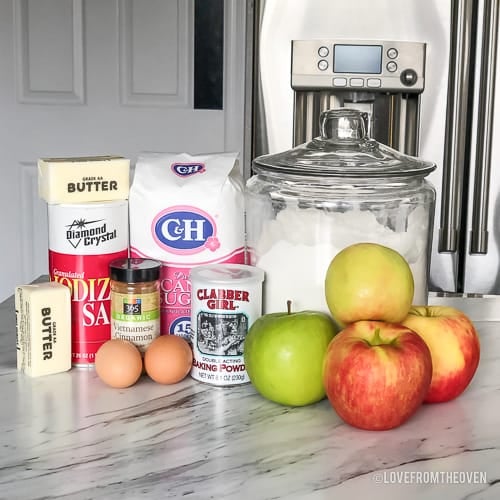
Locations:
284 355
368 281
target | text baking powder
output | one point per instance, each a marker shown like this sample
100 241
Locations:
226 299
83 240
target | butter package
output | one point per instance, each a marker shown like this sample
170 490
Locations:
43 328
83 180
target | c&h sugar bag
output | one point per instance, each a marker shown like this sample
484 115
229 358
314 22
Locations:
186 211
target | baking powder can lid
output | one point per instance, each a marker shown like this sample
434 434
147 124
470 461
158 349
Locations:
224 274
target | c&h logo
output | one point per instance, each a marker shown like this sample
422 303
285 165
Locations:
187 169
185 230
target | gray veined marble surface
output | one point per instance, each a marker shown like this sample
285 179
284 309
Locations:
69 436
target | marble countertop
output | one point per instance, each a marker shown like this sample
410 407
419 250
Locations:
70 436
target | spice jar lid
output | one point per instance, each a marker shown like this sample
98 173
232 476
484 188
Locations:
343 150
223 274
134 270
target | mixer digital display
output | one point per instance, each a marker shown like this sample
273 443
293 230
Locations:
366 59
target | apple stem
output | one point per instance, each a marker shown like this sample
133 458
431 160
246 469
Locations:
376 340
289 306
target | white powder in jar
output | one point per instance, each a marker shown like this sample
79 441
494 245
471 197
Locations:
296 248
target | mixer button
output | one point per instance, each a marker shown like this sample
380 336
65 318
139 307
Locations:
322 65
340 82
356 82
373 82
391 66
392 53
323 51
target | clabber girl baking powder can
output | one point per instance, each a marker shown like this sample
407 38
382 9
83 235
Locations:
83 240
225 301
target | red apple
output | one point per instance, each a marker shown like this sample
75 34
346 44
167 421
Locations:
454 345
376 374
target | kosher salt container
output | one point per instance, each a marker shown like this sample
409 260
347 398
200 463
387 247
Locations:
225 301
306 204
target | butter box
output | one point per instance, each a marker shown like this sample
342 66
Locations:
43 328
83 179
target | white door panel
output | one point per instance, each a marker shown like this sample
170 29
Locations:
98 77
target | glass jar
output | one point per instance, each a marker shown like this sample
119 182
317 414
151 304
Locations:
305 205
135 300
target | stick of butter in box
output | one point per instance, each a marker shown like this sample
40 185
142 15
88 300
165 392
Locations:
85 179
43 328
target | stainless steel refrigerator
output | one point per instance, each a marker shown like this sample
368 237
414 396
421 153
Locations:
458 116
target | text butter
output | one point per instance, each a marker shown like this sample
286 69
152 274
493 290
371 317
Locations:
43 328
85 179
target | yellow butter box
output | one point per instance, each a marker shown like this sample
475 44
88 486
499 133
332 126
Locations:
43 328
83 179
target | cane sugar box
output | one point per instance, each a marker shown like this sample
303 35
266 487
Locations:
186 211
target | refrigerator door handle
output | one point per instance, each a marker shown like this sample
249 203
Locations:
462 19
482 170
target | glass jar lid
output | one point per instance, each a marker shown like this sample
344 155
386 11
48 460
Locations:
343 150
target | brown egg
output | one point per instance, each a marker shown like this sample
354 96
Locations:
118 363
168 359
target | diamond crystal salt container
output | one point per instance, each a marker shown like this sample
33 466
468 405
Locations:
308 203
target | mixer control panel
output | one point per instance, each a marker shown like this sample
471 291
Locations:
370 65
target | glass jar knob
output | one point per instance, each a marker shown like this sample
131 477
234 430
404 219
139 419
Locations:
343 126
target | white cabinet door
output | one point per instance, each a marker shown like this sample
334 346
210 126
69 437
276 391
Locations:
99 77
